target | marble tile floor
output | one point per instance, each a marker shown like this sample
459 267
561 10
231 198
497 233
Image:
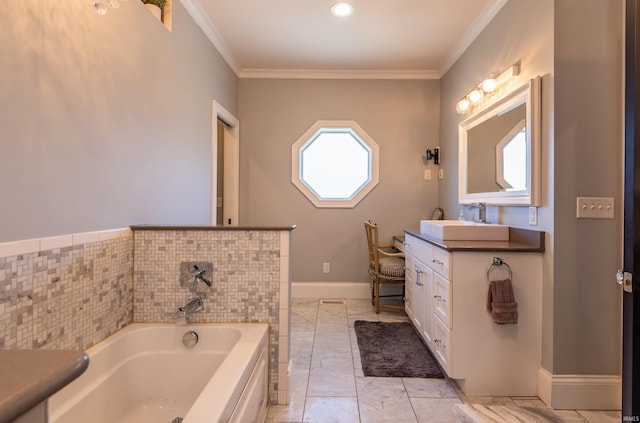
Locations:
328 386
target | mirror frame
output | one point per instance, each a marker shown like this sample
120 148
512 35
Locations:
528 93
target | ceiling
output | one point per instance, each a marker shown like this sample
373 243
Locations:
417 39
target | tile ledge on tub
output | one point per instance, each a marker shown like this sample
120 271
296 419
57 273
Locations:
15 248
209 228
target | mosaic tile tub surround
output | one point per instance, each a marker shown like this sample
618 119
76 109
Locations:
249 283
72 291
66 292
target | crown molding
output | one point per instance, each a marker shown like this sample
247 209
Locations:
198 14
200 17
336 74
469 36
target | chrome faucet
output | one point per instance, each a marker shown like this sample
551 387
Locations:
482 211
192 305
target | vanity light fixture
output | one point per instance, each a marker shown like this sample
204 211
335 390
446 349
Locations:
342 9
435 155
484 89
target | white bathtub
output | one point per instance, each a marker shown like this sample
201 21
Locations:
144 373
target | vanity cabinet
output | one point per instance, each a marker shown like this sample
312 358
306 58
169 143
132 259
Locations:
418 283
447 290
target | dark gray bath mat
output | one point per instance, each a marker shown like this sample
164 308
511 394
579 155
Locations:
393 350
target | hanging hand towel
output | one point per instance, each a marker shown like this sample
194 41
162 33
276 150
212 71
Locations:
501 302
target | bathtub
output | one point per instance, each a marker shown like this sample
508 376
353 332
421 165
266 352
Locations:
144 373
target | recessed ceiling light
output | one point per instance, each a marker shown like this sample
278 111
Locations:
342 9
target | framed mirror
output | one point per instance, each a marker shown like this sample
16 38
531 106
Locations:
499 150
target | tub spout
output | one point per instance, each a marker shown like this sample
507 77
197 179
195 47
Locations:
192 305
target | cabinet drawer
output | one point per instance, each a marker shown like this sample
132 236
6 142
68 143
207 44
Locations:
441 345
442 299
440 262
398 245
418 248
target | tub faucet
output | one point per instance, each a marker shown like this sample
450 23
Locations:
192 305
482 211
198 275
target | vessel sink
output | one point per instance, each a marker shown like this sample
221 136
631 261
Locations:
463 230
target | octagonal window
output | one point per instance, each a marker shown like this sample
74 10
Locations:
335 164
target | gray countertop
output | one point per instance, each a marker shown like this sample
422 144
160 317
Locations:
520 240
29 377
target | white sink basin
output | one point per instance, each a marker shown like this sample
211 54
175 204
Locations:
463 230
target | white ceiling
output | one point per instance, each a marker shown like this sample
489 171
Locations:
382 39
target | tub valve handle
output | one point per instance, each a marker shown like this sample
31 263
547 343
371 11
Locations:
198 275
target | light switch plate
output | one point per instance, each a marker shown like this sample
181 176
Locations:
533 216
595 208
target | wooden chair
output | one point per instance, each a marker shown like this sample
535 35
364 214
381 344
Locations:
386 266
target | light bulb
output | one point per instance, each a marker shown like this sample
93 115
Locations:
463 106
475 96
489 85
342 9
101 7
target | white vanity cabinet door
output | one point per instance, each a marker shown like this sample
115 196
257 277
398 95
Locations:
441 299
409 282
425 275
419 297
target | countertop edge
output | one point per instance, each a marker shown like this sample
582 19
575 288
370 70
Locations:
32 376
520 240
209 228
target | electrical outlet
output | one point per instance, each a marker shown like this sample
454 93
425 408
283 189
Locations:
441 174
326 267
533 216
594 207
427 174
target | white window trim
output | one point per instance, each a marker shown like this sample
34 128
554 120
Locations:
366 188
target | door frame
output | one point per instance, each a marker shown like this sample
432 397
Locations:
631 234
218 112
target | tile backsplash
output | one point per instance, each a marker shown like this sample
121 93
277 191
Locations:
65 295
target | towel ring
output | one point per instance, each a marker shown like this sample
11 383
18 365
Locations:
497 262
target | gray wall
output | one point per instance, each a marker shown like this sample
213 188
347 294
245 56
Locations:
576 47
106 120
401 116
588 162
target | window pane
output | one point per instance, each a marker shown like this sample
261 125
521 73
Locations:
335 165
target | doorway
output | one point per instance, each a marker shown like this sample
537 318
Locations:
225 169
631 295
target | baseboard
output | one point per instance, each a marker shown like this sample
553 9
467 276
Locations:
330 290
580 392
